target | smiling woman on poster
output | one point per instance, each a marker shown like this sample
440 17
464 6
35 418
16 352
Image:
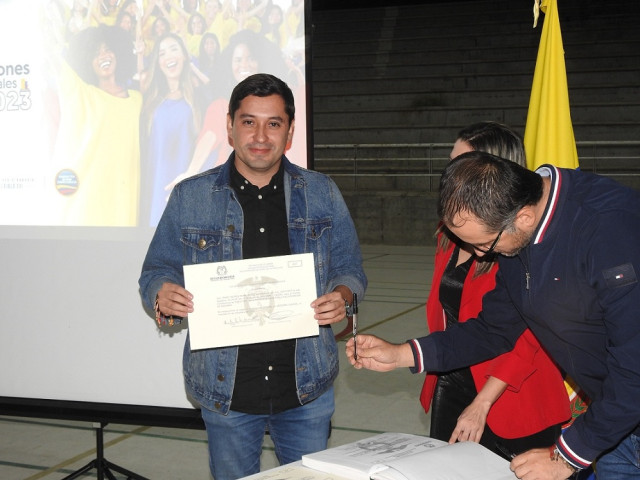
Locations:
169 123
96 158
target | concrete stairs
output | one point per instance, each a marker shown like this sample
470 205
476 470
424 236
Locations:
387 76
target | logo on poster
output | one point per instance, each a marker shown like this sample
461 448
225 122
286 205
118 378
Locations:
66 182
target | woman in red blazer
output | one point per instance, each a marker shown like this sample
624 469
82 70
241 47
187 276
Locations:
511 403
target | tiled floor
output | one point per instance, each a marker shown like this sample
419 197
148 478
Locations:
366 402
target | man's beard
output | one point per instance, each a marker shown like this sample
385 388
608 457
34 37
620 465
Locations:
522 240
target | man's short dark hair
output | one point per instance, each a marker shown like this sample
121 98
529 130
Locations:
262 85
490 188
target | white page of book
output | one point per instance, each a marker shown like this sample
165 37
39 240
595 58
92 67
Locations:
354 460
458 461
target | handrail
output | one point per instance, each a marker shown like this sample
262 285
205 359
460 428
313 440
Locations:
431 145
358 164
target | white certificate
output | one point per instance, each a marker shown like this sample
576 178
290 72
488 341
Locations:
250 301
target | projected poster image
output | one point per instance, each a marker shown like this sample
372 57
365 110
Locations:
106 104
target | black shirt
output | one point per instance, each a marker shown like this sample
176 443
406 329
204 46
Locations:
451 285
265 373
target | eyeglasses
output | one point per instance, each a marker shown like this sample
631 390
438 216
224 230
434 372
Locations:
492 247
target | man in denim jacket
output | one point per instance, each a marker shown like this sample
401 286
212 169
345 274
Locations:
259 204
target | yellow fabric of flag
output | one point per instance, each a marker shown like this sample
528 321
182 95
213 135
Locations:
548 136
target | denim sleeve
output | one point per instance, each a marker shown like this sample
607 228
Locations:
163 261
346 257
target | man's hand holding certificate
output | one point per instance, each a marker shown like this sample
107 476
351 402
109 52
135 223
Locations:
250 301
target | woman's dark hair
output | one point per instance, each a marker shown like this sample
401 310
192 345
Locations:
164 21
262 85
190 22
267 54
85 45
267 28
488 187
204 61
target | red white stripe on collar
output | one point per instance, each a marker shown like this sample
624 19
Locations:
554 193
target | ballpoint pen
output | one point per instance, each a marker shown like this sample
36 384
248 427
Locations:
355 326
504 450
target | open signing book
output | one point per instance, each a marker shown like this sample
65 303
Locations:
402 456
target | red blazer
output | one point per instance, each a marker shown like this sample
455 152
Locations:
536 397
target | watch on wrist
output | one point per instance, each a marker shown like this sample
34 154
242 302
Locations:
557 456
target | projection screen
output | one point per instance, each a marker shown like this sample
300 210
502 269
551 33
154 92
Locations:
104 106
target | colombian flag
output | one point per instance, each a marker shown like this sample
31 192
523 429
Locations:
548 135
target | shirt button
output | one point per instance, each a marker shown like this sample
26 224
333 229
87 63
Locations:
259 197
266 377
270 368
261 229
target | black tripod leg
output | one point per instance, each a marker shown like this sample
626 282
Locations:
88 467
101 464
116 468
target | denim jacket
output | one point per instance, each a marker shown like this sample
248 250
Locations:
203 222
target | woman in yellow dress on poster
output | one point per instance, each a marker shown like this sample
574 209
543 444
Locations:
96 159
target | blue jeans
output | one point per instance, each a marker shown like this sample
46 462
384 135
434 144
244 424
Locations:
622 462
235 440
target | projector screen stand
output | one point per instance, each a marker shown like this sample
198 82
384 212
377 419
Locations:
104 467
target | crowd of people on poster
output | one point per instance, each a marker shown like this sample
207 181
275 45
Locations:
135 98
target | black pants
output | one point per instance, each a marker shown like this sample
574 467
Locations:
453 393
